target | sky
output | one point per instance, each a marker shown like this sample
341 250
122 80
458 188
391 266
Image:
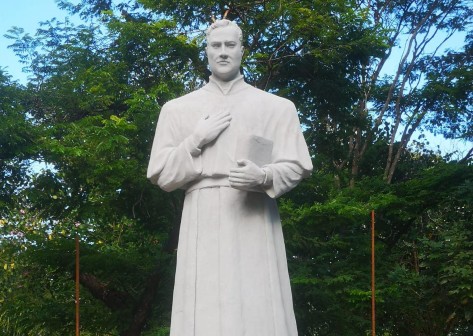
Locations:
28 14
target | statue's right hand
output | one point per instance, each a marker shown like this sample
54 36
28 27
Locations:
209 128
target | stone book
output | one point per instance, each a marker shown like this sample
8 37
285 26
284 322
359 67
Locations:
256 149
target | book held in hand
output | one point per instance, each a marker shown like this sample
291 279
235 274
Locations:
254 148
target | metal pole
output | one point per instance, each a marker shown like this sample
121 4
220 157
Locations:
373 302
77 287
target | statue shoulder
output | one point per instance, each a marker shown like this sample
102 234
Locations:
273 99
183 102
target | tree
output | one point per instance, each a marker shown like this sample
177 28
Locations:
432 266
17 139
96 115
422 252
404 102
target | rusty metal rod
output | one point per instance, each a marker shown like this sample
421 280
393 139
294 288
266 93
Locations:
373 301
77 288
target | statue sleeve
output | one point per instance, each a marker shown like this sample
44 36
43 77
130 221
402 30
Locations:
174 162
291 161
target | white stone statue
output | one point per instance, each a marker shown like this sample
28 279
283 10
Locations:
234 149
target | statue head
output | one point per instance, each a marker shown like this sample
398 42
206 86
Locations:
224 49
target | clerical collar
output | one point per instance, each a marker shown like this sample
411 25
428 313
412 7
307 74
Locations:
226 87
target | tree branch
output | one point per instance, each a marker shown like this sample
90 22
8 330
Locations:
113 299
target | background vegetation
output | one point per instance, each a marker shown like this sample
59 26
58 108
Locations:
370 79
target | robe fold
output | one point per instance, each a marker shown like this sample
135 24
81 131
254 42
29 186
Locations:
231 275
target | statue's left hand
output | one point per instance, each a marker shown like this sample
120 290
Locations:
246 175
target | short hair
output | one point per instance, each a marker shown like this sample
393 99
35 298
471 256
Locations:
222 24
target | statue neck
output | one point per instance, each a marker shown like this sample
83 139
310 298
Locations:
225 86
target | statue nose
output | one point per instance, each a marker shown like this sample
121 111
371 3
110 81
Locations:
223 51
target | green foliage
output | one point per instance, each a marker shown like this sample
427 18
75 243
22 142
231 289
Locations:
433 270
422 248
18 138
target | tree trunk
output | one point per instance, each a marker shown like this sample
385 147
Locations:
143 309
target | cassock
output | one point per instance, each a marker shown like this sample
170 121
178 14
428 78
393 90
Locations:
231 275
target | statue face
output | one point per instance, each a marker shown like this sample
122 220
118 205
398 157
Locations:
224 51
